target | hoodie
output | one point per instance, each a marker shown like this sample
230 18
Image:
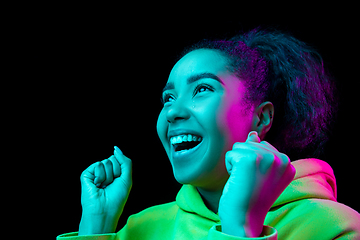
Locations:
307 209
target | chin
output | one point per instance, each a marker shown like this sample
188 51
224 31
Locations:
185 177
199 175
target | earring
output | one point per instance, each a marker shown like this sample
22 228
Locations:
271 115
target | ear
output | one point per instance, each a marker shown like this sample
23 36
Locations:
263 118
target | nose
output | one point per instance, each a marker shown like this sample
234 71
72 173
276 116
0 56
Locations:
177 112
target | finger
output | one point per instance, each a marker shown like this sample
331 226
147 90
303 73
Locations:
289 174
116 166
269 146
99 172
125 166
109 172
235 160
285 159
118 150
253 137
88 175
285 168
291 170
228 161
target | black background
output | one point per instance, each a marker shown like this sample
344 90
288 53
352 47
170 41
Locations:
86 79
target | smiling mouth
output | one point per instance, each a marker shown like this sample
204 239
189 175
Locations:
185 142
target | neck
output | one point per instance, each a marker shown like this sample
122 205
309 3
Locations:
211 198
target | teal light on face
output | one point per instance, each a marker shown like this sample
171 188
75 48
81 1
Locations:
201 99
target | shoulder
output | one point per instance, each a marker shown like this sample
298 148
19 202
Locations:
155 213
333 211
154 221
328 218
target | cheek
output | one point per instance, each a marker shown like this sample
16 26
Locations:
234 123
161 128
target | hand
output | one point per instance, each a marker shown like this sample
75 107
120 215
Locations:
258 175
105 187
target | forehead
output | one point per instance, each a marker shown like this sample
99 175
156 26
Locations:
199 61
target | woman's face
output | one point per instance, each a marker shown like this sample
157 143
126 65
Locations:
203 116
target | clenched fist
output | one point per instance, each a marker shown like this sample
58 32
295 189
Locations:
105 187
258 175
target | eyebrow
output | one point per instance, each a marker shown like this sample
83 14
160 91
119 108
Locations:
194 78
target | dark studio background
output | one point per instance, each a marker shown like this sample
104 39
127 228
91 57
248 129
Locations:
94 80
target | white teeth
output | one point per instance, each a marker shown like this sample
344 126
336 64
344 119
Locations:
178 139
185 138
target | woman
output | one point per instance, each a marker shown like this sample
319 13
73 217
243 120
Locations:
233 113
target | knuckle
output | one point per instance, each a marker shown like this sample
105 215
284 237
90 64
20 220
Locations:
130 162
112 158
266 143
269 145
232 156
292 171
106 162
289 173
229 154
237 145
275 159
126 159
99 167
285 160
82 175
268 160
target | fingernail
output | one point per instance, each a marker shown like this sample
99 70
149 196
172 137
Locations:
253 133
118 150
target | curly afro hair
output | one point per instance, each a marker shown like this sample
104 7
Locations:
279 68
